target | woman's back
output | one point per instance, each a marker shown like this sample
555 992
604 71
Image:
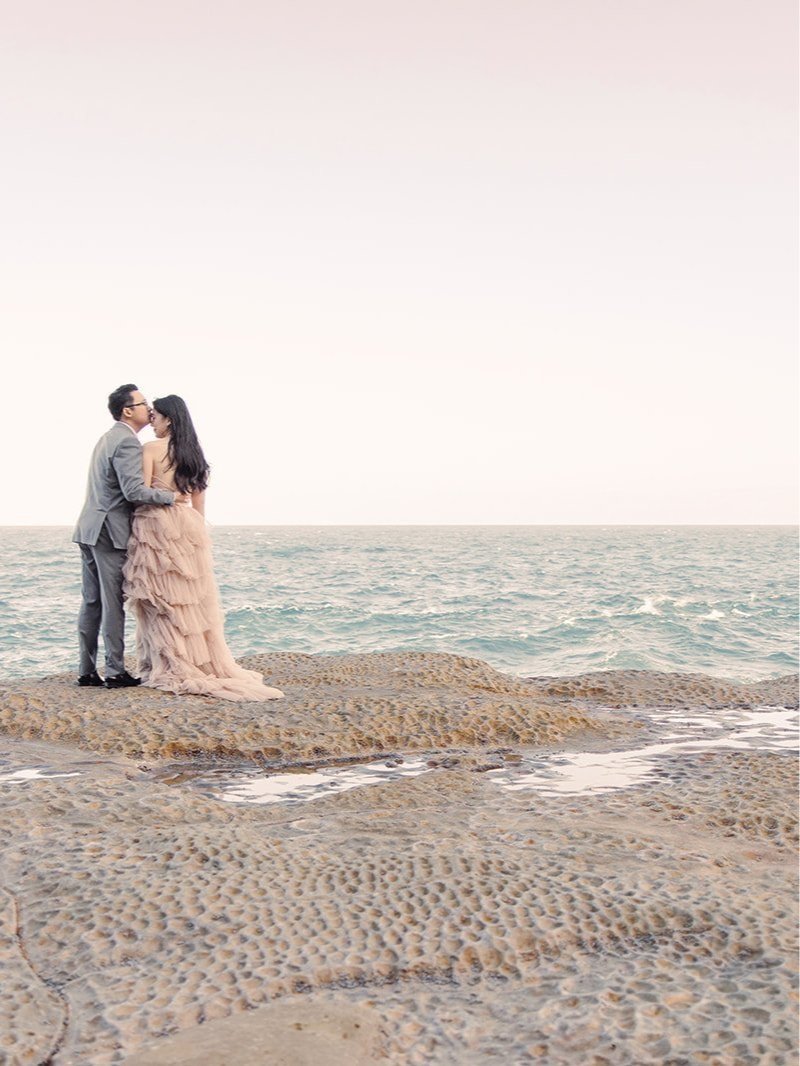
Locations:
156 464
159 474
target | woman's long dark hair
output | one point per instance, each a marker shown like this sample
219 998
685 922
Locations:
184 454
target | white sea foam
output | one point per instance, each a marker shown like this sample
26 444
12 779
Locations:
648 607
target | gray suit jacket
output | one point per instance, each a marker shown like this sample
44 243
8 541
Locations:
115 486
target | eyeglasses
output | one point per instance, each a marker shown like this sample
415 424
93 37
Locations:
141 403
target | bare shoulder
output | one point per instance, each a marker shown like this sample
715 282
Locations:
155 446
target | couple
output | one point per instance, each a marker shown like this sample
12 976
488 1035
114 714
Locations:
143 537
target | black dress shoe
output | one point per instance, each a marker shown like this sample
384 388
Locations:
93 680
123 680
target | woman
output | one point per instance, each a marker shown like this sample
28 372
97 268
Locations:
169 578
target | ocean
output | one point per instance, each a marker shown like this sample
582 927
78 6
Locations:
529 600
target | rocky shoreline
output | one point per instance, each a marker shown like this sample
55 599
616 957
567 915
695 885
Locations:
430 919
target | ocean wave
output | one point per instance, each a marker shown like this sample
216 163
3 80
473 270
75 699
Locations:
648 607
557 601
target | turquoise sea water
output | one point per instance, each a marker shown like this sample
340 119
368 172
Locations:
533 600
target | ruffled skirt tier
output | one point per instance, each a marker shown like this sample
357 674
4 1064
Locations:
169 583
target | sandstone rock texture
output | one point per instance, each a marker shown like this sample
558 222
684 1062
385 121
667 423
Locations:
432 919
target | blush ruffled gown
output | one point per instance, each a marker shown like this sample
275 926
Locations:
169 583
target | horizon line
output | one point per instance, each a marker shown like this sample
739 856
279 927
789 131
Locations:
454 525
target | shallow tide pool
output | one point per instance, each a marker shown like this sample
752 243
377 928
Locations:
563 773
774 729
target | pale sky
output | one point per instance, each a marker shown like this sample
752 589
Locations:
408 262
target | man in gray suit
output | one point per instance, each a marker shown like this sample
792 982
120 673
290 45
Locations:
115 486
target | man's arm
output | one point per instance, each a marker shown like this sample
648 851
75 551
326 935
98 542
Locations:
127 463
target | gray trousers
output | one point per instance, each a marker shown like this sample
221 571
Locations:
101 588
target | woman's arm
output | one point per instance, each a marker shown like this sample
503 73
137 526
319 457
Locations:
199 502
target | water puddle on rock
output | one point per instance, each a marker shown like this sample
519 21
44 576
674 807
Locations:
572 773
311 784
34 773
561 774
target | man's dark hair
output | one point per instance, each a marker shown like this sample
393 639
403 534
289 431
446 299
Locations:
120 398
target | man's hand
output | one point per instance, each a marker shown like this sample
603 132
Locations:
183 497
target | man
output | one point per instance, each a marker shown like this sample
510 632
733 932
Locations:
115 486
